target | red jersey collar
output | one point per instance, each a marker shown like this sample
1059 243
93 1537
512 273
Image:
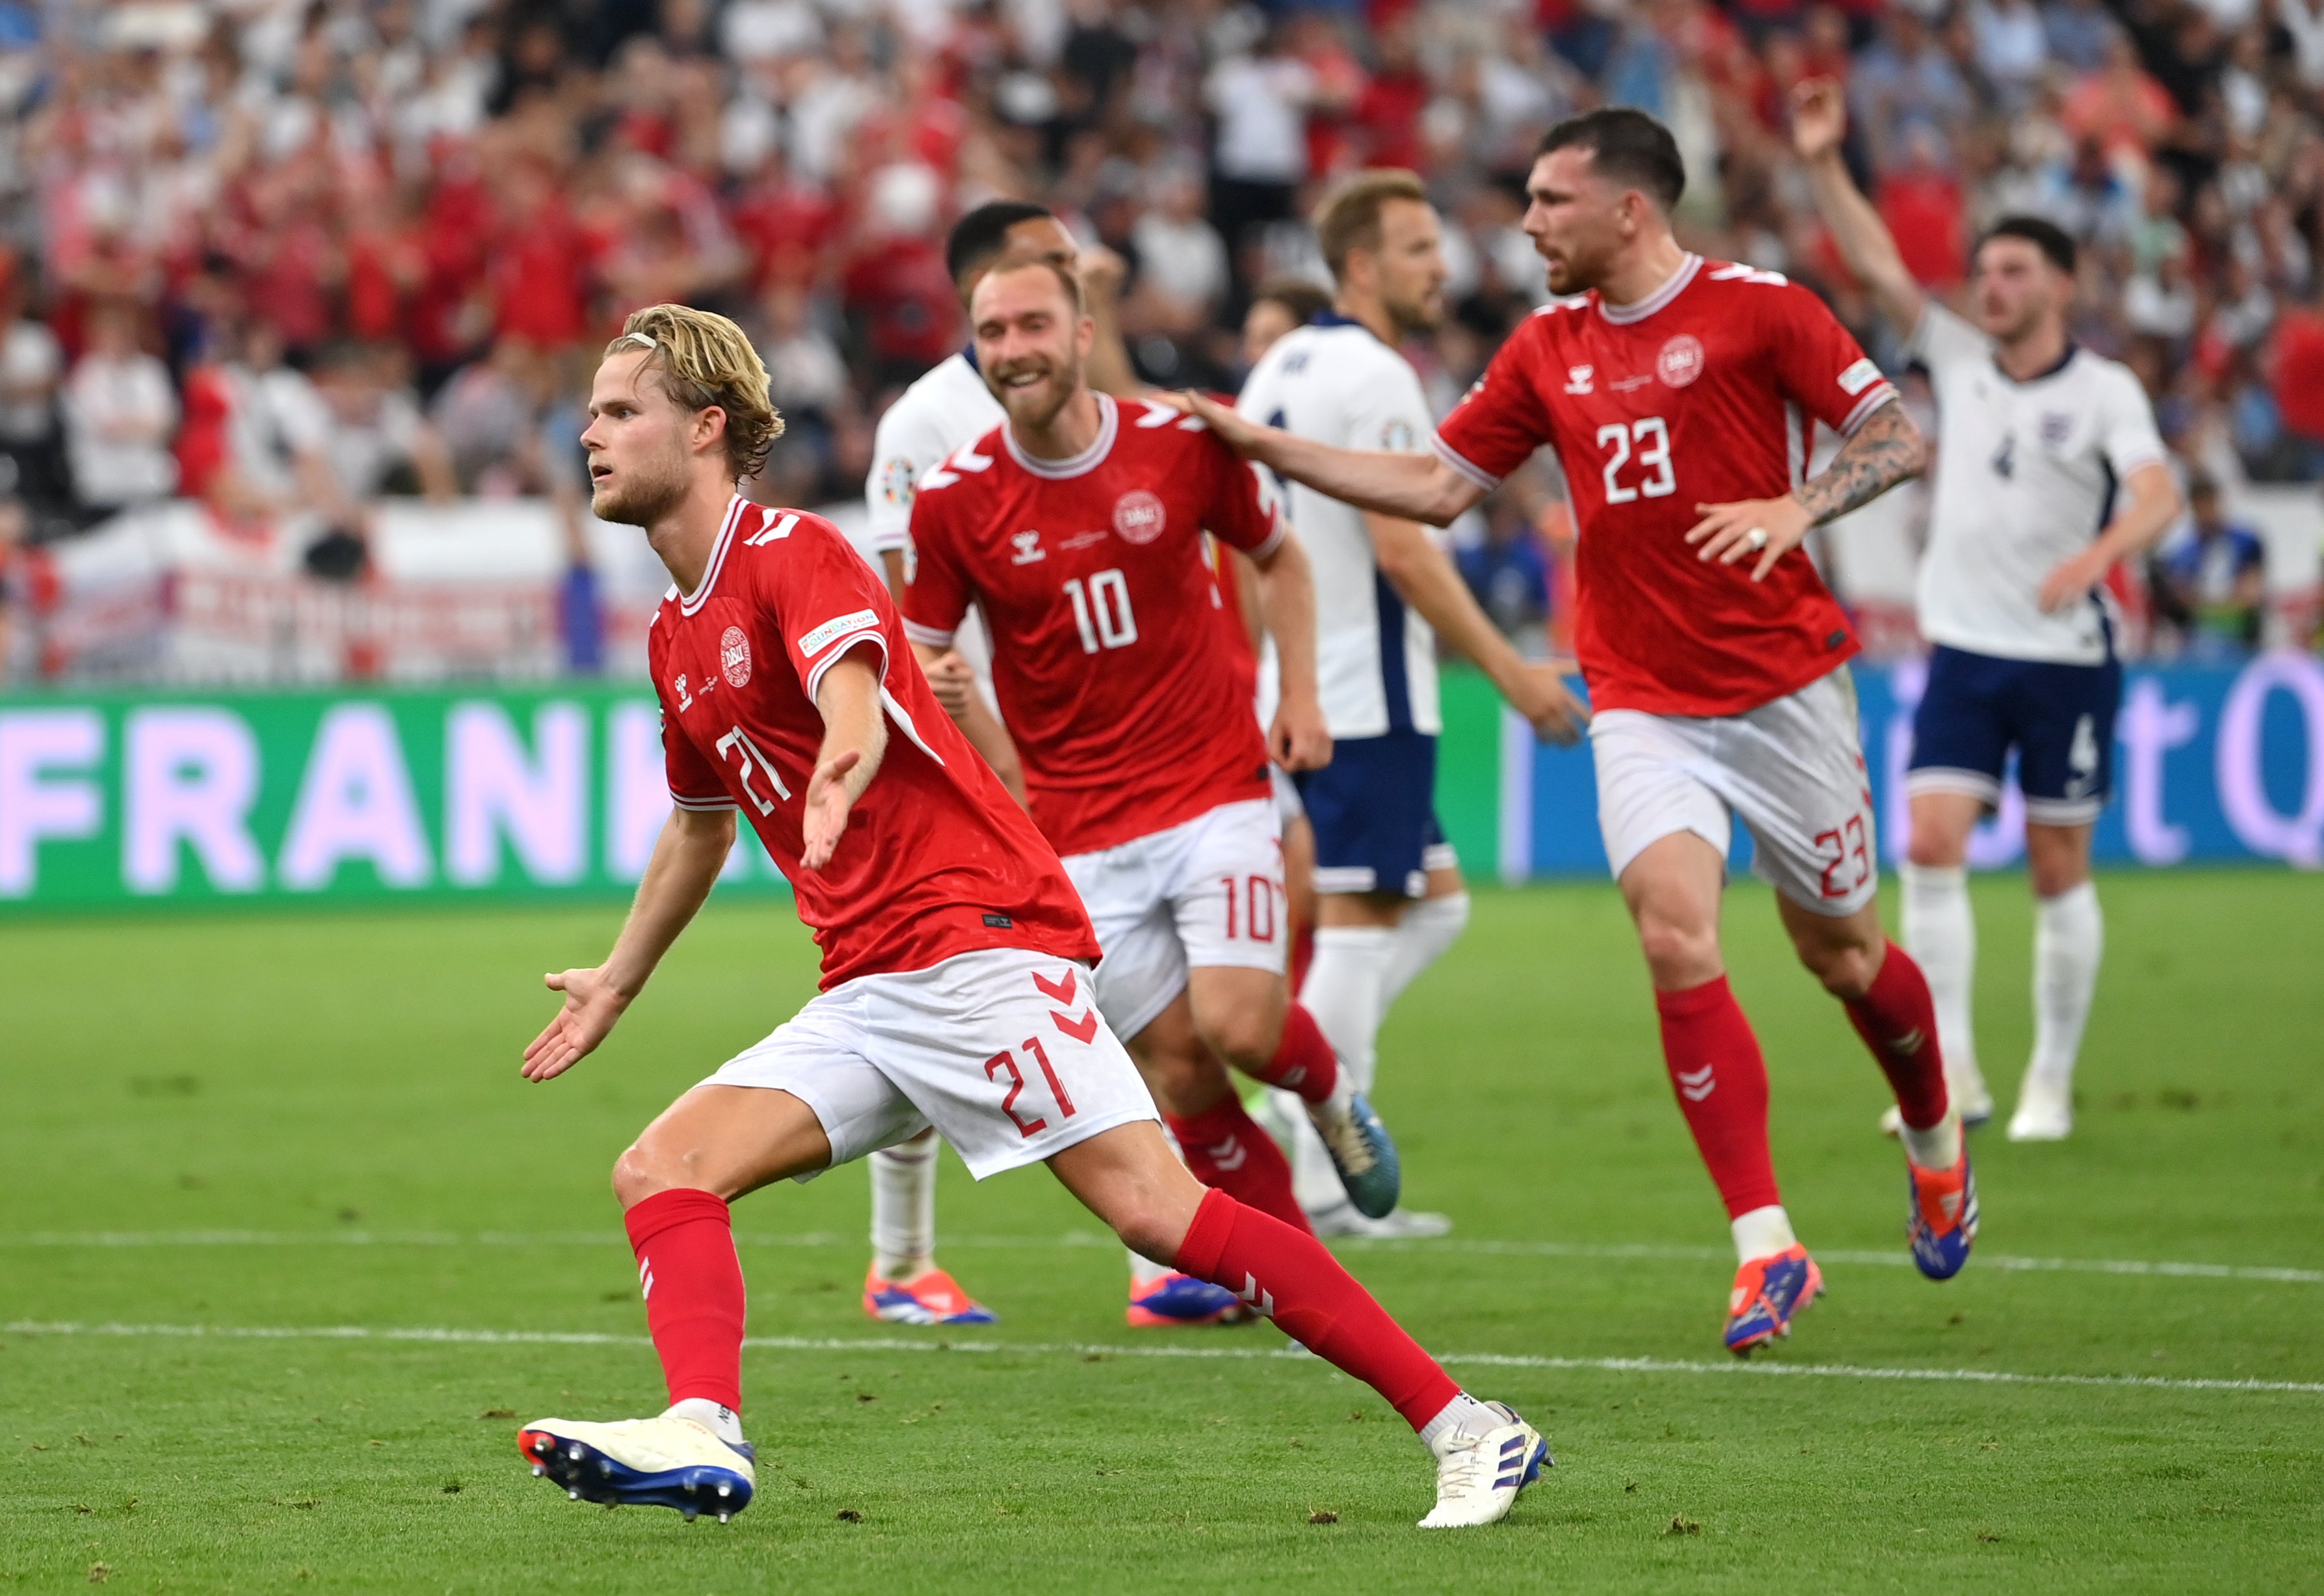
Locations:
1624 315
1109 422
687 602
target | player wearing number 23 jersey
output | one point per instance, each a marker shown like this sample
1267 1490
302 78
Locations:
1701 393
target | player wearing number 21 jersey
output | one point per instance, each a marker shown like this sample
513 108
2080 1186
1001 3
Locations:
1680 393
1129 703
956 959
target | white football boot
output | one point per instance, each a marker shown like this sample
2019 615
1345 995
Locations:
665 1462
2045 1110
1478 1475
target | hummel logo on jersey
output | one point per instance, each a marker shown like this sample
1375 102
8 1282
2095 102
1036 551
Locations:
1578 378
1695 1085
1029 548
1252 1296
781 528
685 698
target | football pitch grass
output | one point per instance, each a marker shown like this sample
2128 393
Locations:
288 1250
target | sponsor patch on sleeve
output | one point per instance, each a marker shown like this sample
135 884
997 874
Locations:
1856 378
832 630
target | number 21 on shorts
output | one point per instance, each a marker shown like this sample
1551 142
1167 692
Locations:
1004 1063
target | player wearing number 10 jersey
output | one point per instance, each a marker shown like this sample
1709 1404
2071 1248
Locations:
1078 528
1680 393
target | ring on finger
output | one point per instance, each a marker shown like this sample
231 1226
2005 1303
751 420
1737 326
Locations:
1755 539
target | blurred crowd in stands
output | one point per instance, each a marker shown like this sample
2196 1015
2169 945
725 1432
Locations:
294 254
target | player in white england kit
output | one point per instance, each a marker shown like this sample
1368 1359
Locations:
947 407
2049 470
1389 896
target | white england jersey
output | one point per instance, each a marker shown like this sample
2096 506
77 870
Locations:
948 406
1375 659
2025 479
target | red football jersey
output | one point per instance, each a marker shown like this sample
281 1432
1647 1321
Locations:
1129 708
937 859
1704 394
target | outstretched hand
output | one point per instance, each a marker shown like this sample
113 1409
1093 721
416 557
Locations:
1237 431
827 804
1818 117
1727 532
592 1006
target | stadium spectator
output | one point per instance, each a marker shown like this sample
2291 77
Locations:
1509 572
2210 587
120 413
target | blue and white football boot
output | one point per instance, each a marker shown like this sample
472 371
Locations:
1478 1474
1175 1299
1941 1217
1769 1293
1363 1151
665 1462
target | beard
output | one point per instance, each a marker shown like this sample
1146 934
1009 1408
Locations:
1416 318
1034 408
640 495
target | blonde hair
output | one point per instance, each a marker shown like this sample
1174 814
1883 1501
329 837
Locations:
1349 216
706 361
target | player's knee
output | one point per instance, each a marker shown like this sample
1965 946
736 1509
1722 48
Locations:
1183 1081
1246 1039
1846 969
644 1169
1934 848
1145 1230
1679 955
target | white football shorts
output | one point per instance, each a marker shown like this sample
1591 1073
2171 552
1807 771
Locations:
1207 892
1792 770
1004 1052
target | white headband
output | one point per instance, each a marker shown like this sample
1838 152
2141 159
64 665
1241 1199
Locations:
638 338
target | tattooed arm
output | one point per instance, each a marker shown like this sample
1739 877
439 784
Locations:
1881 453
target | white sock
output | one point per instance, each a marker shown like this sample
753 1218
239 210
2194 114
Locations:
1428 928
1937 1147
1347 992
1462 1416
1941 934
2068 941
1762 1233
719 1420
904 1208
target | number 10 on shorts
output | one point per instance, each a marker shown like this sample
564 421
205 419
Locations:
1005 1063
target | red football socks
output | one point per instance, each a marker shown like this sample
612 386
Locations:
1292 1279
1721 1082
685 1243
1304 1061
1897 1020
1228 1151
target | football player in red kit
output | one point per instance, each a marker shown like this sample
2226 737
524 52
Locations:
1680 394
1076 526
957 958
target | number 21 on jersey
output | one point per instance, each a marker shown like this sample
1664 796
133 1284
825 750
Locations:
1651 434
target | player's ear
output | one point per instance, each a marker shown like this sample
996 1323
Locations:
709 426
1085 337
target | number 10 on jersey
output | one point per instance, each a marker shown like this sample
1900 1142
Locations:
1102 612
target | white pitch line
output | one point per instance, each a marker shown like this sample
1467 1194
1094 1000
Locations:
2165 1269
891 1343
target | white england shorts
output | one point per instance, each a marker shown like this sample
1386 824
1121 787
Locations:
1003 1051
1207 892
1792 770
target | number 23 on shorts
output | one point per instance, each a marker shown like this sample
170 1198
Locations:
1841 846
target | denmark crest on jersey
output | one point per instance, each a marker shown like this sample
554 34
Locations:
1680 361
734 656
1139 516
